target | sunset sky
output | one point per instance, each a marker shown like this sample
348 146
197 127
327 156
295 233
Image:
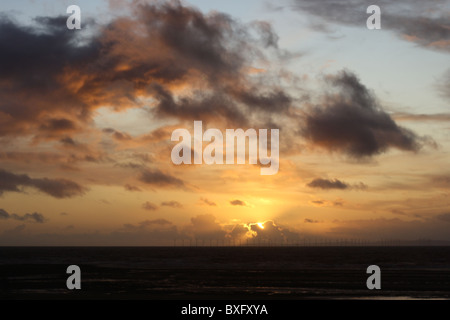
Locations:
86 118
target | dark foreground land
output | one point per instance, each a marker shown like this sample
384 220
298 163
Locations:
225 272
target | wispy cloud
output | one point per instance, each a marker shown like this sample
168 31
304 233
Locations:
425 23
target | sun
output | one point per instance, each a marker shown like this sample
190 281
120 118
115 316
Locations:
260 224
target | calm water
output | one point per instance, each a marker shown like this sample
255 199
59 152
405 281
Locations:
225 272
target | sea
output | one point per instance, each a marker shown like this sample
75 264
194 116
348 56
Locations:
215 273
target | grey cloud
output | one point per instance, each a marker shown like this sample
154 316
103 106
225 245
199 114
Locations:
211 52
352 122
422 22
201 106
58 125
58 188
33 217
181 45
38 93
157 178
328 184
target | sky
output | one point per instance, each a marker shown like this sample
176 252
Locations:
86 119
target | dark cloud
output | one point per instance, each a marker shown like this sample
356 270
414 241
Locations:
201 106
172 204
352 122
238 203
311 221
328 184
33 217
57 125
58 188
27 97
266 101
70 74
73 73
159 179
422 22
